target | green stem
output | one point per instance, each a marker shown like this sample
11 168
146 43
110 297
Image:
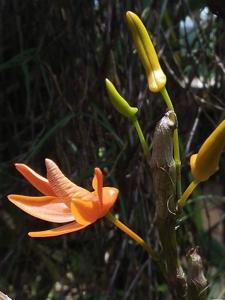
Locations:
176 147
181 202
176 151
166 98
141 136
133 236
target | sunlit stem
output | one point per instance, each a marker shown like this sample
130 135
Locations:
177 161
167 99
181 202
133 236
140 136
176 147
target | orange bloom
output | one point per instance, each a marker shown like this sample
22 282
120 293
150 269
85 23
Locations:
64 201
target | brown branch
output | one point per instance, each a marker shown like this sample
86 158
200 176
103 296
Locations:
164 183
197 283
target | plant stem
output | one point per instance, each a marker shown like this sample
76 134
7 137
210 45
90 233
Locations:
133 236
167 99
181 202
176 148
164 176
141 136
177 161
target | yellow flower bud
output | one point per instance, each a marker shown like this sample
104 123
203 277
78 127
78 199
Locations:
120 104
206 162
147 54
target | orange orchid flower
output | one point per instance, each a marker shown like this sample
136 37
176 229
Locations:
64 201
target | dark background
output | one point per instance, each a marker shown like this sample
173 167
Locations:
54 57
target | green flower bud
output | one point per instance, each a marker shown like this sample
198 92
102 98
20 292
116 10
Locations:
120 104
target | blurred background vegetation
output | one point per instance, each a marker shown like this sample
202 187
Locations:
54 56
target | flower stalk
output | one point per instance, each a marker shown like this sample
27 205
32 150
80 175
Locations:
181 202
124 108
141 137
133 236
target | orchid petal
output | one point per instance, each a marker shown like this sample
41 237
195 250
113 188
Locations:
60 184
39 182
71 227
85 211
97 183
110 196
46 208
94 183
88 211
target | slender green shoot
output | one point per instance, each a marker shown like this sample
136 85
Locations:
140 136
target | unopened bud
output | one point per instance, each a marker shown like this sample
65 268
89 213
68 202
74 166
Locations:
147 54
120 104
206 162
